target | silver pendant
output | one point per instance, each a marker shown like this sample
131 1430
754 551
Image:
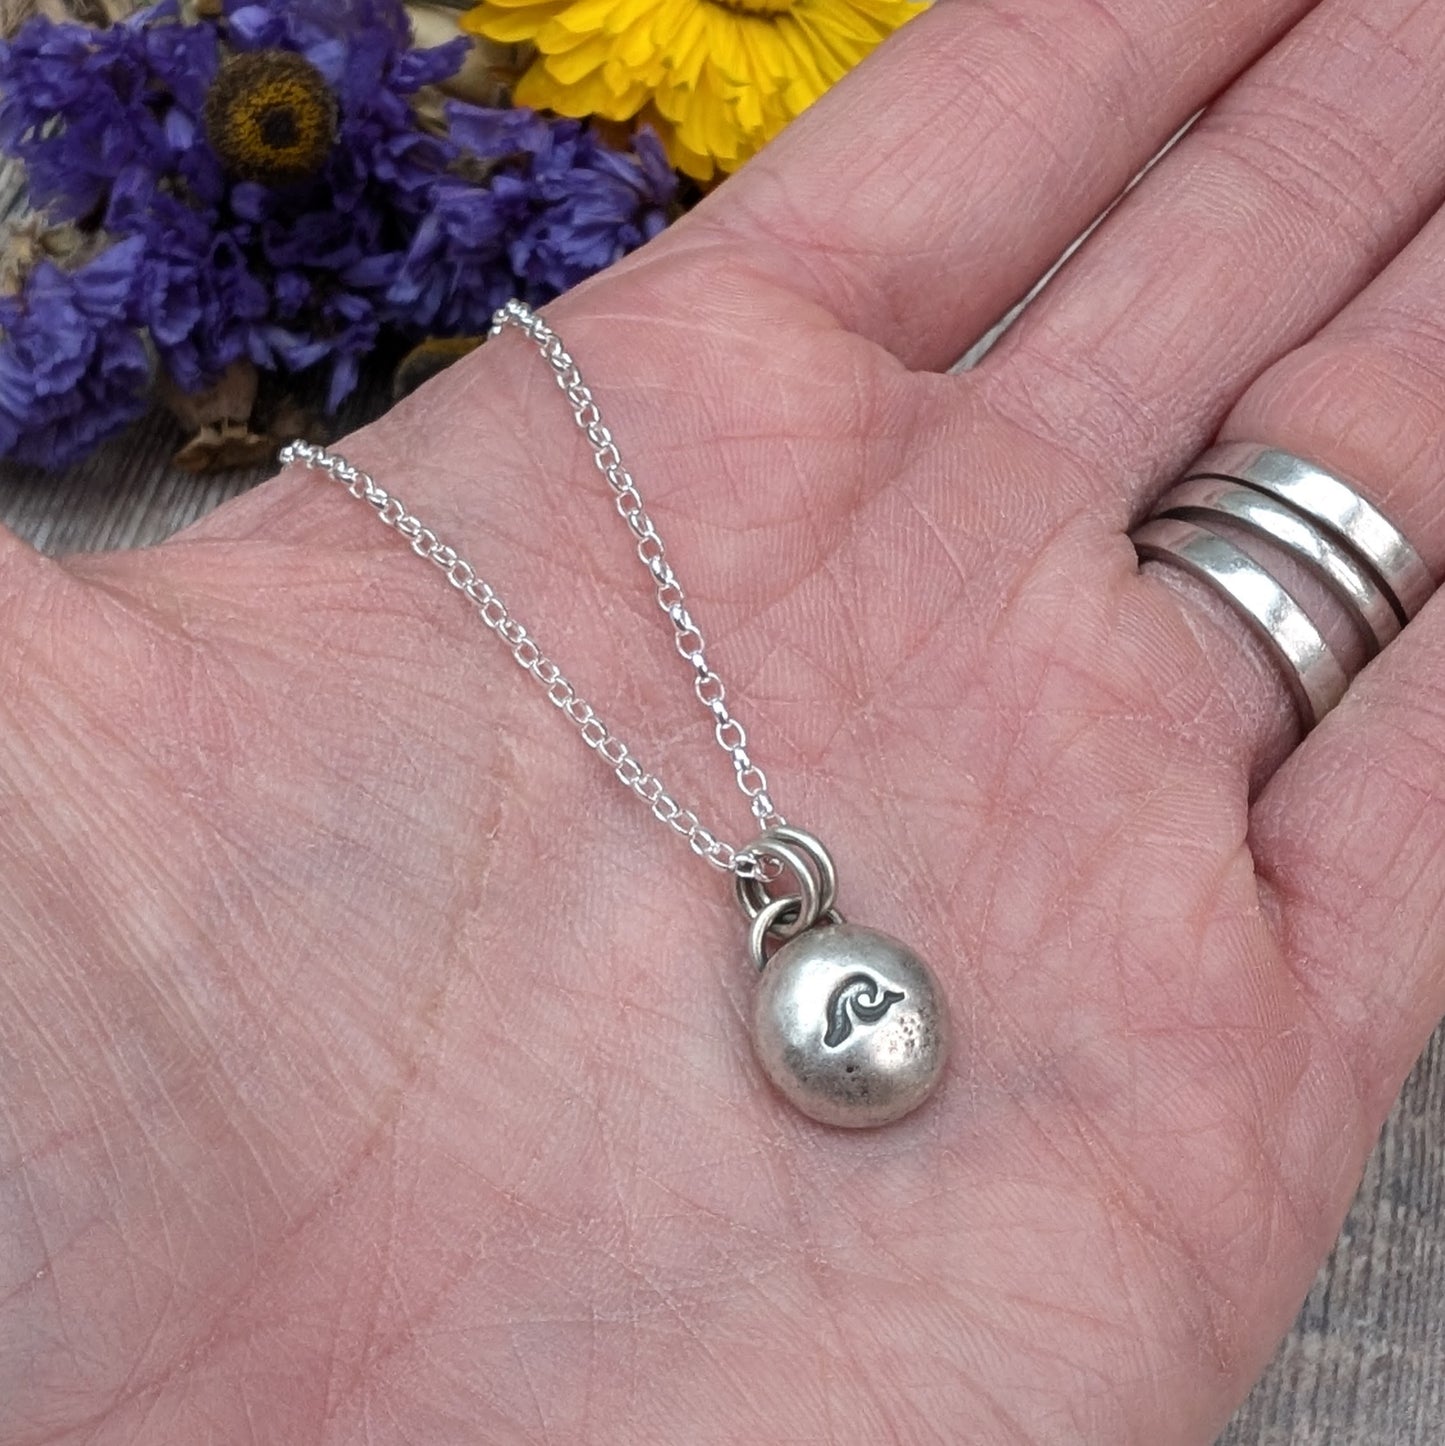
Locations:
848 1023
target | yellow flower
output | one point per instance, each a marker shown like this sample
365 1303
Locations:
716 78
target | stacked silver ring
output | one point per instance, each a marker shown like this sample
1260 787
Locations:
1322 522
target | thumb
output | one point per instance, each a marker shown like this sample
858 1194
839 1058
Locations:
26 574
19 559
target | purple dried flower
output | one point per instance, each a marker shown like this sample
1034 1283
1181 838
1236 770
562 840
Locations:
333 247
198 294
455 273
558 206
73 368
254 228
327 305
83 107
599 204
362 47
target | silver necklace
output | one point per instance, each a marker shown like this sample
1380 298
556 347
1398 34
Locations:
848 1023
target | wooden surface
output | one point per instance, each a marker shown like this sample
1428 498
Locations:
1364 1366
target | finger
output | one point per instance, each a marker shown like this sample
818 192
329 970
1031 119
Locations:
18 559
1350 842
1300 184
24 614
936 183
1364 398
1350 833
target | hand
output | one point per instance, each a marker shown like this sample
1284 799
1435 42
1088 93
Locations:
374 1069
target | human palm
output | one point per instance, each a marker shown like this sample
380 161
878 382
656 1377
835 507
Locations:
376 1070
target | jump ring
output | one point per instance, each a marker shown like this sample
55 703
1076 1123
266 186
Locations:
822 861
755 901
767 921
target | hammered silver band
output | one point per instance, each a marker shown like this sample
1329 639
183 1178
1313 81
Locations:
1323 523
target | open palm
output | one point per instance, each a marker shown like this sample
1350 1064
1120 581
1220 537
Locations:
374 1070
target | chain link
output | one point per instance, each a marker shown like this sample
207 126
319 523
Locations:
731 737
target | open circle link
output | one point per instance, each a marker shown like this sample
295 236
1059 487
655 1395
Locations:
822 861
804 889
803 856
773 918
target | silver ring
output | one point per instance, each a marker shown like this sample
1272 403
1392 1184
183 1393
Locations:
756 903
1266 515
1316 679
1335 504
768 921
821 858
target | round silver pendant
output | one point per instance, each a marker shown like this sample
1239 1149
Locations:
850 1026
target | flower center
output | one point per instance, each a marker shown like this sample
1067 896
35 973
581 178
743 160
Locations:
271 117
758 7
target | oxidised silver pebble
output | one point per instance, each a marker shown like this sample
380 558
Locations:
850 1026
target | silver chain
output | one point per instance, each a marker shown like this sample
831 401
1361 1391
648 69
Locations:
730 734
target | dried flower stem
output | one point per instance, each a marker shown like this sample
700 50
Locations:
14 13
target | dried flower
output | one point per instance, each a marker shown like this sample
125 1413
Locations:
362 47
33 239
277 196
557 206
73 368
719 78
333 247
200 291
271 117
81 107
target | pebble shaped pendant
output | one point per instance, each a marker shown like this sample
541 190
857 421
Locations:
848 1023
849 1026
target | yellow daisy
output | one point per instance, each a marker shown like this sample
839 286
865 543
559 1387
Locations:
716 78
